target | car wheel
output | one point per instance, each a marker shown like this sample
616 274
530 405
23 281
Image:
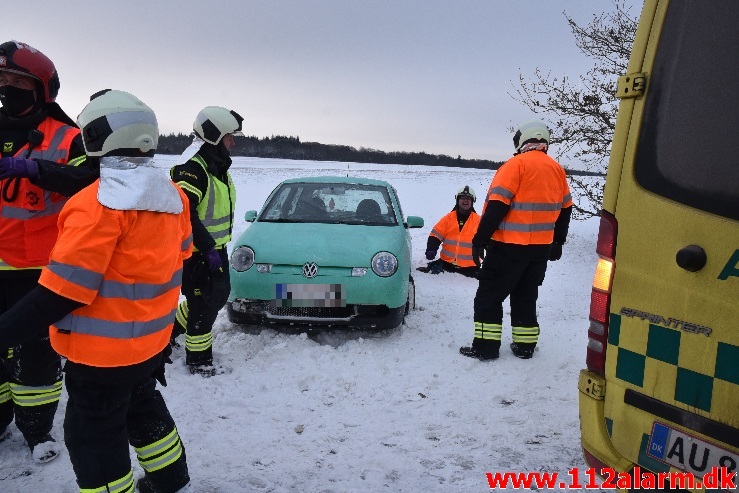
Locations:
410 304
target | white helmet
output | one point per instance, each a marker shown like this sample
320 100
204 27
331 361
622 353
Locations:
213 122
466 191
118 123
533 131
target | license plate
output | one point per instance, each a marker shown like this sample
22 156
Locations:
310 295
687 452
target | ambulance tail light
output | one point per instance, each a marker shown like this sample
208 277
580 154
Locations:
596 464
600 296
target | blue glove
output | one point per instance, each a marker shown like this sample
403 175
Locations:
12 167
430 254
213 258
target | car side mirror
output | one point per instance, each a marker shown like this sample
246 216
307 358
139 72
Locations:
250 216
414 222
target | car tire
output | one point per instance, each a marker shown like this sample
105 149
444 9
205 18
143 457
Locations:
410 304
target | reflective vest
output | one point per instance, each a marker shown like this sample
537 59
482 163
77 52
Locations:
126 267
456 245
217 205
535 187
28 224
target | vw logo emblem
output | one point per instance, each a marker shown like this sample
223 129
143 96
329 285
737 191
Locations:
310 270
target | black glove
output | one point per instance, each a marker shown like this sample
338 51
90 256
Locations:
556 252
159 372
478 253
430 254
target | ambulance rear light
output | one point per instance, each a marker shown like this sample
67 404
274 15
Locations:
600 295
596 464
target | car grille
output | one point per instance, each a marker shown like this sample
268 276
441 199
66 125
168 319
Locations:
312 312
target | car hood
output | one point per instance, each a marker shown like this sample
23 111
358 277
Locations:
326 244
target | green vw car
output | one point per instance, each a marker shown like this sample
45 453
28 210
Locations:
324 252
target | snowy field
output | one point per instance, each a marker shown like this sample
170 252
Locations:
400 411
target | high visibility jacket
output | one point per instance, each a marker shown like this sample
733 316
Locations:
28 224
535 187
126 267
456 245
216 204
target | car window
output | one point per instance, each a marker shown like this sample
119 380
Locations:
686 147
331 203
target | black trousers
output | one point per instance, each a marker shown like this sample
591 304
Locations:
105 413
509 270
200 315
30 372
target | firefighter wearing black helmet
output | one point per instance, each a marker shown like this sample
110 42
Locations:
42 161
205 179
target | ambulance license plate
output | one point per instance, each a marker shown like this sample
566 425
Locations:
687 452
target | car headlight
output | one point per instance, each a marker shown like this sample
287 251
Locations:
242 258
384 264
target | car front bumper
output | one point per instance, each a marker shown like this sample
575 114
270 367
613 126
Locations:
367 317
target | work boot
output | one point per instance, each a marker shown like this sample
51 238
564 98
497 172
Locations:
523 350
472 352
205 371
4 434
45 450
144 485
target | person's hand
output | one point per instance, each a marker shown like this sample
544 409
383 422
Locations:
430 254
556 252
213 258
478 254
18 167
159 372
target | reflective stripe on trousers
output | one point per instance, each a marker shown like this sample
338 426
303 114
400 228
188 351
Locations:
24 395
490 332
528 335
123 485
199 343
161 453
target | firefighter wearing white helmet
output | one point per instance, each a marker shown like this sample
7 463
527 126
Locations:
106 302
453 233
524 224
205 179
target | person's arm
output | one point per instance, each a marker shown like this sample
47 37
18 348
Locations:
68 179
562 225
489 222
33 315
191 178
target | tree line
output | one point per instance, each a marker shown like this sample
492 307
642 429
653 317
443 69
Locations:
284 147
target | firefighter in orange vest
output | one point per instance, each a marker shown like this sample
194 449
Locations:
454 234
524 224
42 160
108 298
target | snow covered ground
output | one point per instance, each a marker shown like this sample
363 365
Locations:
400 411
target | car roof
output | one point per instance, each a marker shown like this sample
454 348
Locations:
354 180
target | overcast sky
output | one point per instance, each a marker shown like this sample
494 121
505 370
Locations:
394 75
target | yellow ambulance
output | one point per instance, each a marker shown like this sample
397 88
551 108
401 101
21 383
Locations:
660 395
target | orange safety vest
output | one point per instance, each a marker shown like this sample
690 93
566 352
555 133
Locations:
126 267
535 186
28 224
456 245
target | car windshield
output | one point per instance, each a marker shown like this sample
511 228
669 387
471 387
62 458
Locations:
337 203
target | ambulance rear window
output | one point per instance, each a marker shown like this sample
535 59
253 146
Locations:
689 143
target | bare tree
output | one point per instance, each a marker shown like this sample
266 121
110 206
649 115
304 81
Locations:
581 110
